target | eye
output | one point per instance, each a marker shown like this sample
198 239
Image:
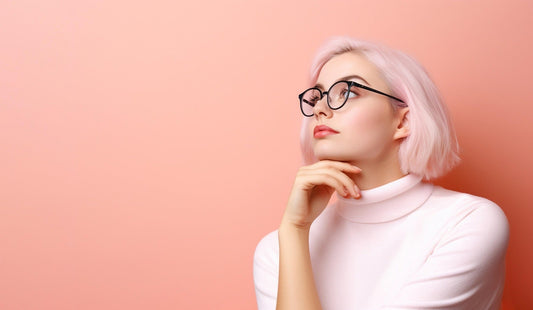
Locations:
353 92
311 100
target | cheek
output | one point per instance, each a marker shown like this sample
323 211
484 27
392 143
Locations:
367 121
371 130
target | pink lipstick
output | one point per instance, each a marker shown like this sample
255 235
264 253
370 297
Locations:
322 131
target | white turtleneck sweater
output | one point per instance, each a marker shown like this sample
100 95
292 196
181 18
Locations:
403 245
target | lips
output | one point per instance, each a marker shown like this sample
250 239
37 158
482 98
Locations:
323 131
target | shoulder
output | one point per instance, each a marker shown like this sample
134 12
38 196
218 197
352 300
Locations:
471 220
467 206
267 250
265 271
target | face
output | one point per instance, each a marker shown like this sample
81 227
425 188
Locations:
366 129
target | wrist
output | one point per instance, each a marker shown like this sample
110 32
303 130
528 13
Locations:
291 226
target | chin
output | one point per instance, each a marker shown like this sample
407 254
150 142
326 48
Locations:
332 150
334 156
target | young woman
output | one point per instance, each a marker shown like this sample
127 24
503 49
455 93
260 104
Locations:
373 128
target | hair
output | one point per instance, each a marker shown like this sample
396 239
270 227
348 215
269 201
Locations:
431 149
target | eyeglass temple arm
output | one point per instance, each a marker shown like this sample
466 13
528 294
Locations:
376 91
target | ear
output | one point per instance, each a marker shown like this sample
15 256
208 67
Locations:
402 124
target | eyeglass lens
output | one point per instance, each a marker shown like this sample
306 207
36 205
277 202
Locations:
337 96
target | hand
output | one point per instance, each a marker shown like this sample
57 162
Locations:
313 187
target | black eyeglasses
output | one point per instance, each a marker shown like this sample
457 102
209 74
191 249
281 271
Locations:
337 95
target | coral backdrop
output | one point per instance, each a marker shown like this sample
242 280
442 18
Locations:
148 146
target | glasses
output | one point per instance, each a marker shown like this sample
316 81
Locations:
337 95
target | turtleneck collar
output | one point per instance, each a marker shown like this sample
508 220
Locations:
387 202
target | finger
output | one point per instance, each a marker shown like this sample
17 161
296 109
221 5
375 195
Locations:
311 180
340 176
343 166
346 168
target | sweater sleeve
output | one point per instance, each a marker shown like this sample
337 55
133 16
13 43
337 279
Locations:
465 269
266 260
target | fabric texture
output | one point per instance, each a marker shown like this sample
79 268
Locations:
403 245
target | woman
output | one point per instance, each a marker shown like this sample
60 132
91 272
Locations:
374 127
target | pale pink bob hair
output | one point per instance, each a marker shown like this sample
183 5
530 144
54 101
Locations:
431 149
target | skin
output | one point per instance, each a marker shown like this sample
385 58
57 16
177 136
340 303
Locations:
362 155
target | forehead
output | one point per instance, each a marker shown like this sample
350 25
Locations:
348 64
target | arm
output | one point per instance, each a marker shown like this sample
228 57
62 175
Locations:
312 189
296 285
466 268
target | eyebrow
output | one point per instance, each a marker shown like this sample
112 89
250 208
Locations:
348 77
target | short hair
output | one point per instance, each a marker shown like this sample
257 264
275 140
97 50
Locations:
431 149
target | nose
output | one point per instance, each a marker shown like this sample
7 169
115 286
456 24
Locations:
321 108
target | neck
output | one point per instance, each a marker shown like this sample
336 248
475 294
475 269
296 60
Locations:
368 179
377 173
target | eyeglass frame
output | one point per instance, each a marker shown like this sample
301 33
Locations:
350 84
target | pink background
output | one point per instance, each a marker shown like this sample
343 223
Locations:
147 147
